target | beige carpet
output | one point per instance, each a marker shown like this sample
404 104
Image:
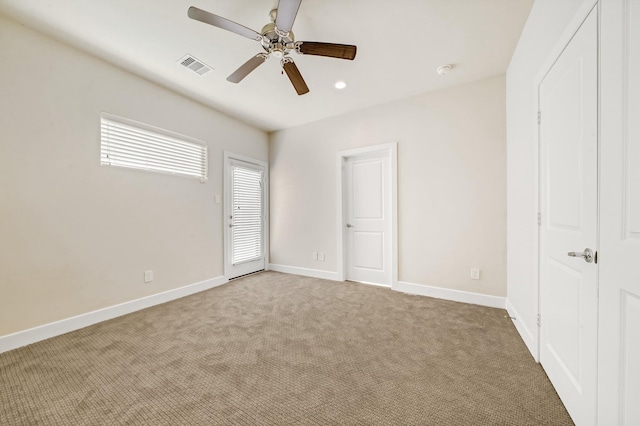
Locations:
276 349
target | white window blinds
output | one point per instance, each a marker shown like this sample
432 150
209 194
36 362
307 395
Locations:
125 143
247 230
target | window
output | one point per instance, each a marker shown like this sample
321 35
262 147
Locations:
126 143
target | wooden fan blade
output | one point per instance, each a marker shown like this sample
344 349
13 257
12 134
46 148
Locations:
286 15
296 78
246 68
332 50
220 22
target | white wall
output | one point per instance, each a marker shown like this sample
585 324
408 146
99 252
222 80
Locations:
76 236
544 29
451 178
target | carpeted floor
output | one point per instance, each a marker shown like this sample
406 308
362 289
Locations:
277 349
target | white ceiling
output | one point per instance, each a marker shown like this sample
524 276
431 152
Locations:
400 44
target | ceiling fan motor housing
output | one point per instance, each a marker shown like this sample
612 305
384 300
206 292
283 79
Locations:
274 43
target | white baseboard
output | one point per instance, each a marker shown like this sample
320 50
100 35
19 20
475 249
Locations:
405 287
525 333
449 294
314 273
46 331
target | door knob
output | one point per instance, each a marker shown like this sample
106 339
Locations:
349 225
587 254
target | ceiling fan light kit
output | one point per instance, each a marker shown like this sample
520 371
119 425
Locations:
278 41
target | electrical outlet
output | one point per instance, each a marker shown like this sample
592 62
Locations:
148 276
314 256
321 257
475 273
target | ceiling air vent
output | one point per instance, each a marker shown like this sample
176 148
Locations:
194 65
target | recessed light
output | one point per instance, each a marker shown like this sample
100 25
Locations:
340 85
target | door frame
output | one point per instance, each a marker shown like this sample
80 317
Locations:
226 182
531 332
390 150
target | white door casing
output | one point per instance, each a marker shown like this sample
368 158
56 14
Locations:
568 204
245 215
368 219
619 304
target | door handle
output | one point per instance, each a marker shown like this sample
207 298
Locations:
349 225
587 255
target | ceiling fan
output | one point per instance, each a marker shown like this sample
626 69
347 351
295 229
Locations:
278 41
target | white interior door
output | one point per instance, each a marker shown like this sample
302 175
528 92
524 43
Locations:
619 263
568 206
367 198
246 216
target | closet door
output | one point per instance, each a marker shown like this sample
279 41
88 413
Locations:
368 205
619 296
568 273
